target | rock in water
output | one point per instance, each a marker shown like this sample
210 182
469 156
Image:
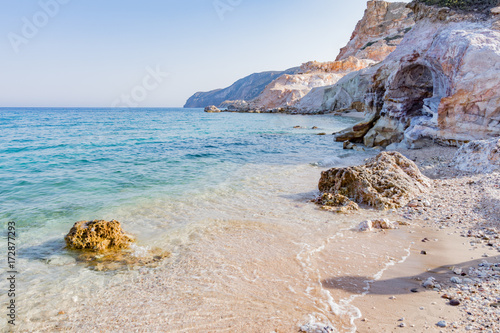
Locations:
212 109
97 236
336 203
387 181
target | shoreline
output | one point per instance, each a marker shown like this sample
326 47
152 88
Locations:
263 274
392 305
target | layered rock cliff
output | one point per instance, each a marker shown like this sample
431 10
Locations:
434 86
420 73
244 89
288 90
377 34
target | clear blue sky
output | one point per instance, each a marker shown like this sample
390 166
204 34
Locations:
92 52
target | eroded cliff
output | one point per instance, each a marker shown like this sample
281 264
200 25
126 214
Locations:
434 86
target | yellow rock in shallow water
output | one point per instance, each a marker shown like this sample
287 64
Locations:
98 235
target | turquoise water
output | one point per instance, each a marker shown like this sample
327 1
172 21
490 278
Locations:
64 165
171 176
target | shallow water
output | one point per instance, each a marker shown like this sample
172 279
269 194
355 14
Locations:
227 194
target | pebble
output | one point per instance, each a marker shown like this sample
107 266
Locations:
442 323
402 325
414 290
423 252
456 280
429 283
454 302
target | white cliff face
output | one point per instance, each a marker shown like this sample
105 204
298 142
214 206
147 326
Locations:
440 84
289 90
377 34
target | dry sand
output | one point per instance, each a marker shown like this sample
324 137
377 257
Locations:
460 205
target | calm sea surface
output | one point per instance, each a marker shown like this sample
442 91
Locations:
58 166
163 173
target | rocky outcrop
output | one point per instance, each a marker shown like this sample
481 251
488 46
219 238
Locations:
382 28
212 109
97 236
238 105
357 132
387 181
479 156
301 90
244 89
377 34
288 90
433 87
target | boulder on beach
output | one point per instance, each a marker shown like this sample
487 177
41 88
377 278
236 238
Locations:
98 235
481 156
387 181
212 109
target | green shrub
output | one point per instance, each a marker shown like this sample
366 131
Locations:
468 5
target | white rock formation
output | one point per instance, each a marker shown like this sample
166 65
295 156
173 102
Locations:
377 34
288 90
434 86
479 156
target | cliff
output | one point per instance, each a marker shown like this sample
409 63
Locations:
288 90
244 89
434 86
377 34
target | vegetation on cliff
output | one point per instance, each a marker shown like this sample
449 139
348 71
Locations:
467 5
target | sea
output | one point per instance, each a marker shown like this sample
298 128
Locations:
214 188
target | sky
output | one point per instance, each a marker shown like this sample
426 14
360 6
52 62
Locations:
157 53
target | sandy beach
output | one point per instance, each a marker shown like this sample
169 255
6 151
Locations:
459 203
238 276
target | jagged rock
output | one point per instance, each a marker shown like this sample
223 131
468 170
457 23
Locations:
212 109
97 236
336 203
387 181
479 156
302 90
238 105
357 132
379 32
384 132
433 87
288 90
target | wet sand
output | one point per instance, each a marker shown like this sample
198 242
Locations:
293 267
